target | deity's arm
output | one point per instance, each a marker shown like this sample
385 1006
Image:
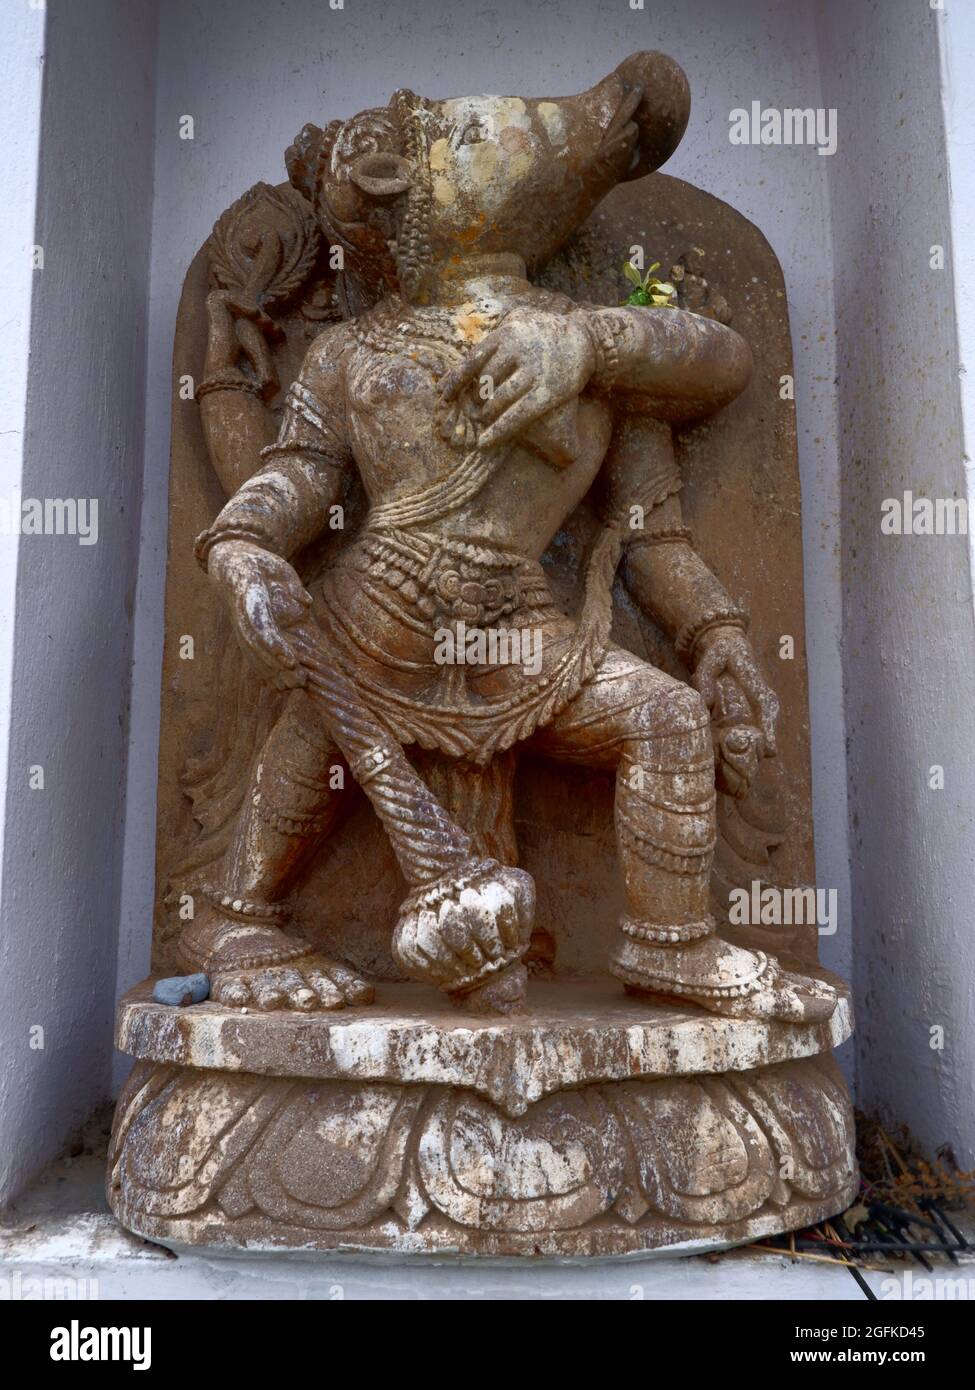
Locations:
682 366
666 576
285 504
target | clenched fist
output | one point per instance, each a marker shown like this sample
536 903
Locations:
458 935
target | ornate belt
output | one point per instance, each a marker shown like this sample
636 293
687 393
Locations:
451 581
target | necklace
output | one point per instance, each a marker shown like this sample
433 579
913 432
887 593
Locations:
393 325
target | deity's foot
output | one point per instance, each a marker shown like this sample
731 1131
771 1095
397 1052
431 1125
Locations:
467 932
722 978
255 964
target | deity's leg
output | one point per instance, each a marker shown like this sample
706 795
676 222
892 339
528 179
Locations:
237 934
292 806
654 731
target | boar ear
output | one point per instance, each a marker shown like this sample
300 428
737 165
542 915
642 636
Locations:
302 158
381 175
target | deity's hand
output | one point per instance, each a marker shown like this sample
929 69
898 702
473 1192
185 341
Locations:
725 658
238 331
266 598
533 362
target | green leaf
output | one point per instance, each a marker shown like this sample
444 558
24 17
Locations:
632 274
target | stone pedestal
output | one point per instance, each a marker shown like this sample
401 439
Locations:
597 1125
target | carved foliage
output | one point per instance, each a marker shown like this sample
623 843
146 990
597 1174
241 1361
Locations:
691 1154
266 242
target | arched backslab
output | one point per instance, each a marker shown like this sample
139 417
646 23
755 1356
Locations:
741 500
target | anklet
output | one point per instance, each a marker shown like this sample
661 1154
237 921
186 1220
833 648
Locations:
688 931
243 908
660 984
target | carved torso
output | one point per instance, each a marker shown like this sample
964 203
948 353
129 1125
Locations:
395 429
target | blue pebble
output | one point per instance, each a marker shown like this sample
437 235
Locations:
181 989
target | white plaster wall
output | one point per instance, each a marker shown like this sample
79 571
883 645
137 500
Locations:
21 69
62 850
909 632
956 30
251 74
957 33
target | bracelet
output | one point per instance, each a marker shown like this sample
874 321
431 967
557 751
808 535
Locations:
216 533
295 449
691 633
229 380
606 334
369 764
672 533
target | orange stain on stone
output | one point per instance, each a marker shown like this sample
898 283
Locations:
473 325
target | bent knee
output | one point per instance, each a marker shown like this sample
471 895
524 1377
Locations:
670 707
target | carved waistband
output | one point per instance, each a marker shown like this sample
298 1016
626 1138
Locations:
446 580
421 547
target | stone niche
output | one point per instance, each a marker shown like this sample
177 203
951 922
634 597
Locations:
589 1121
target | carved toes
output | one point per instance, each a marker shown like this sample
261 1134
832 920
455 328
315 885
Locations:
328 993
809 1000
233 992
298 995
786 996
304 998
311 983
268 991
353 987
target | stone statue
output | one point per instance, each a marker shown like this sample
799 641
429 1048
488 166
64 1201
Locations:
443 414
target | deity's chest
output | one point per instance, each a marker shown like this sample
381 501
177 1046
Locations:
394 393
